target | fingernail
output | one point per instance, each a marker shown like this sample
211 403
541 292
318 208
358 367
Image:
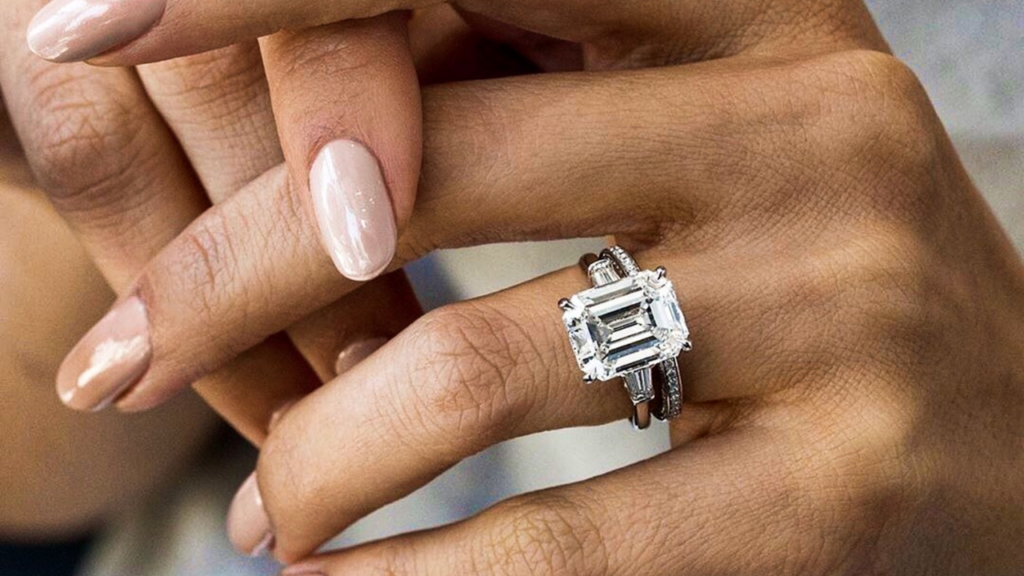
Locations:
356 353
248 525
353 209
111 358
76 30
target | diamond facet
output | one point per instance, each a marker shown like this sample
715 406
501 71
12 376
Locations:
625 326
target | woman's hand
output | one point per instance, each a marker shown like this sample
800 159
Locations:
855 397
857 388
130 157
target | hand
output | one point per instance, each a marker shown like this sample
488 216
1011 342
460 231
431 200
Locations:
857 388
855 397
115 149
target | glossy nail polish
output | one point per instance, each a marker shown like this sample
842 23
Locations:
356 353
111 358
248 524
353 209
76 30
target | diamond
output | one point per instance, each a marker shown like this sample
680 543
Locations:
625 326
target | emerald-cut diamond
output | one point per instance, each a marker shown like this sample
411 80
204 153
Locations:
625 326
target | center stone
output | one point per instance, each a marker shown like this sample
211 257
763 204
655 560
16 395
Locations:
625 326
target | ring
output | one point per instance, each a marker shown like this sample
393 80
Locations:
626 326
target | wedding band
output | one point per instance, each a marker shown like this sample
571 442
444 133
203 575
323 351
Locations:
626 326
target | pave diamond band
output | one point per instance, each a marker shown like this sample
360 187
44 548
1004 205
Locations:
629 326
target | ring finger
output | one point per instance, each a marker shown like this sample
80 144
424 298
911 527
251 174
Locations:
477 373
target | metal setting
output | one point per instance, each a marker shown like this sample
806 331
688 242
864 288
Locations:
629 326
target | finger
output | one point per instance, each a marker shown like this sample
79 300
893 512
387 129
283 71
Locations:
110 32
217 279
100 150
474 374
336 338
116 173
347 102
728 504
218 106
458 381
161 29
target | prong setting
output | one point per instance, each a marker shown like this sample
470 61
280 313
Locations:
625 327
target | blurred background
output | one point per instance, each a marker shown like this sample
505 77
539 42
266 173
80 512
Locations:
968 53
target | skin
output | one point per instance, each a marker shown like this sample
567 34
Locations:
113 148
855 395
854 406
51 294
219 109
882 439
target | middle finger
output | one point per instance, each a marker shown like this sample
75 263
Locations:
218 280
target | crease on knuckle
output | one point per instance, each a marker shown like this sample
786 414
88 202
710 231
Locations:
87 142
880 129
225 90
231 74
543 534
201 275
475 373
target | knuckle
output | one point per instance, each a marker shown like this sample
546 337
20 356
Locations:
471 370
544 534
898 287
200 269
219 84
289 494
86 142
883 294
884 285
219 102
876 122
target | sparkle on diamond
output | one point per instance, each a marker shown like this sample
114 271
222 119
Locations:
625 326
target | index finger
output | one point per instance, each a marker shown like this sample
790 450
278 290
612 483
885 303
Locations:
128 32
347 104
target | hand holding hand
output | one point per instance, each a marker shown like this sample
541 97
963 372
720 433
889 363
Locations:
854 401
131 156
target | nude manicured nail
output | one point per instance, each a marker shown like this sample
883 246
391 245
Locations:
356 353
111 358
75 30
248 524
353 209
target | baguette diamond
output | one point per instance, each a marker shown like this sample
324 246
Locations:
625 326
